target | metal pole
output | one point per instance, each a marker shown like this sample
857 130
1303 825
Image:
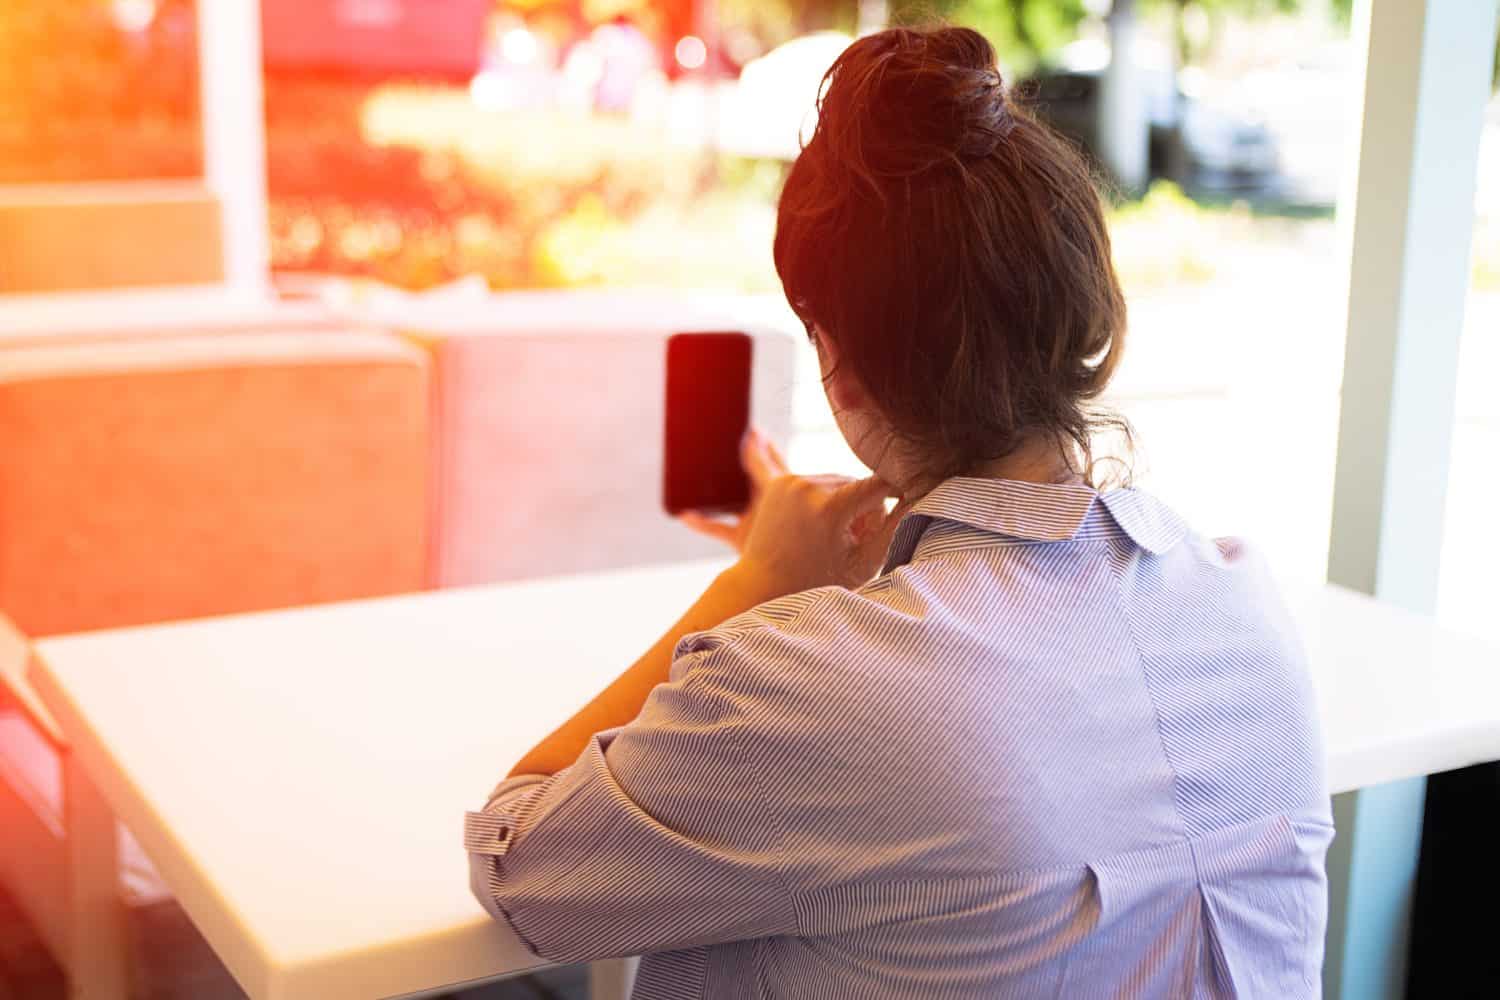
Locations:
234 137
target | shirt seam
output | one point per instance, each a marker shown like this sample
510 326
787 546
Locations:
778 867
1161 736
774 811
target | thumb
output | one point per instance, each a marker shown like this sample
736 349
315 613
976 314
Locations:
879 527
860 499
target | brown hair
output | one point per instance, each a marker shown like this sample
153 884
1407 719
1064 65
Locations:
954 250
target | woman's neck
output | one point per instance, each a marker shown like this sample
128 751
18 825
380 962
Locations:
1037 461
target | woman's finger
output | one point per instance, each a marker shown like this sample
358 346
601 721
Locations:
776 457
761 461
765 452
724 531
829 480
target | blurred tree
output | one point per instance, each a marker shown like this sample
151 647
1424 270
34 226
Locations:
1186 48
1024 32
772 22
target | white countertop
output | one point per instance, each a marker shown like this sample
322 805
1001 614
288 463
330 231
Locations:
300 777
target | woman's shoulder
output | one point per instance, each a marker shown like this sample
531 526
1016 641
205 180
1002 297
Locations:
756 628
807 639
772 616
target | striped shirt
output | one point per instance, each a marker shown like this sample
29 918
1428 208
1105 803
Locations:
1061 746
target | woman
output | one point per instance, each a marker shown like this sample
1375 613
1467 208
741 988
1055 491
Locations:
1057 746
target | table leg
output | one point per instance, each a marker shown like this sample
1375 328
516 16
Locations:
97 963
612 980
1372 877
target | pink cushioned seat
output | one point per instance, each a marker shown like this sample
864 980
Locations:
175 477
547 451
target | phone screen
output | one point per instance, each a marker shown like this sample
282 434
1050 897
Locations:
708 412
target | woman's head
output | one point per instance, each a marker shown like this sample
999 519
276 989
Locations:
951 254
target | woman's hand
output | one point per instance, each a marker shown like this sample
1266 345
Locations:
801 532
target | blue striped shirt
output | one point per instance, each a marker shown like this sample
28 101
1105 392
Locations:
1061 746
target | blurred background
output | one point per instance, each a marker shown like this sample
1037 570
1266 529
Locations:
414 144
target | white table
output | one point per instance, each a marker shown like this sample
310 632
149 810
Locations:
300 777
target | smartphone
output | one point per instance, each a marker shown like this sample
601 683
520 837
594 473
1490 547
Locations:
708 412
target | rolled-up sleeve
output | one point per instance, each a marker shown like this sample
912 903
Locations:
657 838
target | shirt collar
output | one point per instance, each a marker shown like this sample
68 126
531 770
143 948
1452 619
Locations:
1042 512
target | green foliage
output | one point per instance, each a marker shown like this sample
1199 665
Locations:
412 186
772 22
777 21
1188 49
342 205
1024 32
1166 239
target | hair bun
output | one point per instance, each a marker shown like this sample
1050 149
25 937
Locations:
902 102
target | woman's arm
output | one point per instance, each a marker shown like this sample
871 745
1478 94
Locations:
799 533
739 588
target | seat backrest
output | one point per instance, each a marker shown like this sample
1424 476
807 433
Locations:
58 237
177 477
548 417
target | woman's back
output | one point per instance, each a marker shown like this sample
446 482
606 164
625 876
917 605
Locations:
1061 748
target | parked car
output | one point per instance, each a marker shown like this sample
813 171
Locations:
1199 146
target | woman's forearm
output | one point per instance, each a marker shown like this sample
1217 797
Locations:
733 591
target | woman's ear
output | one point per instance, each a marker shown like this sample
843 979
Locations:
844 392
